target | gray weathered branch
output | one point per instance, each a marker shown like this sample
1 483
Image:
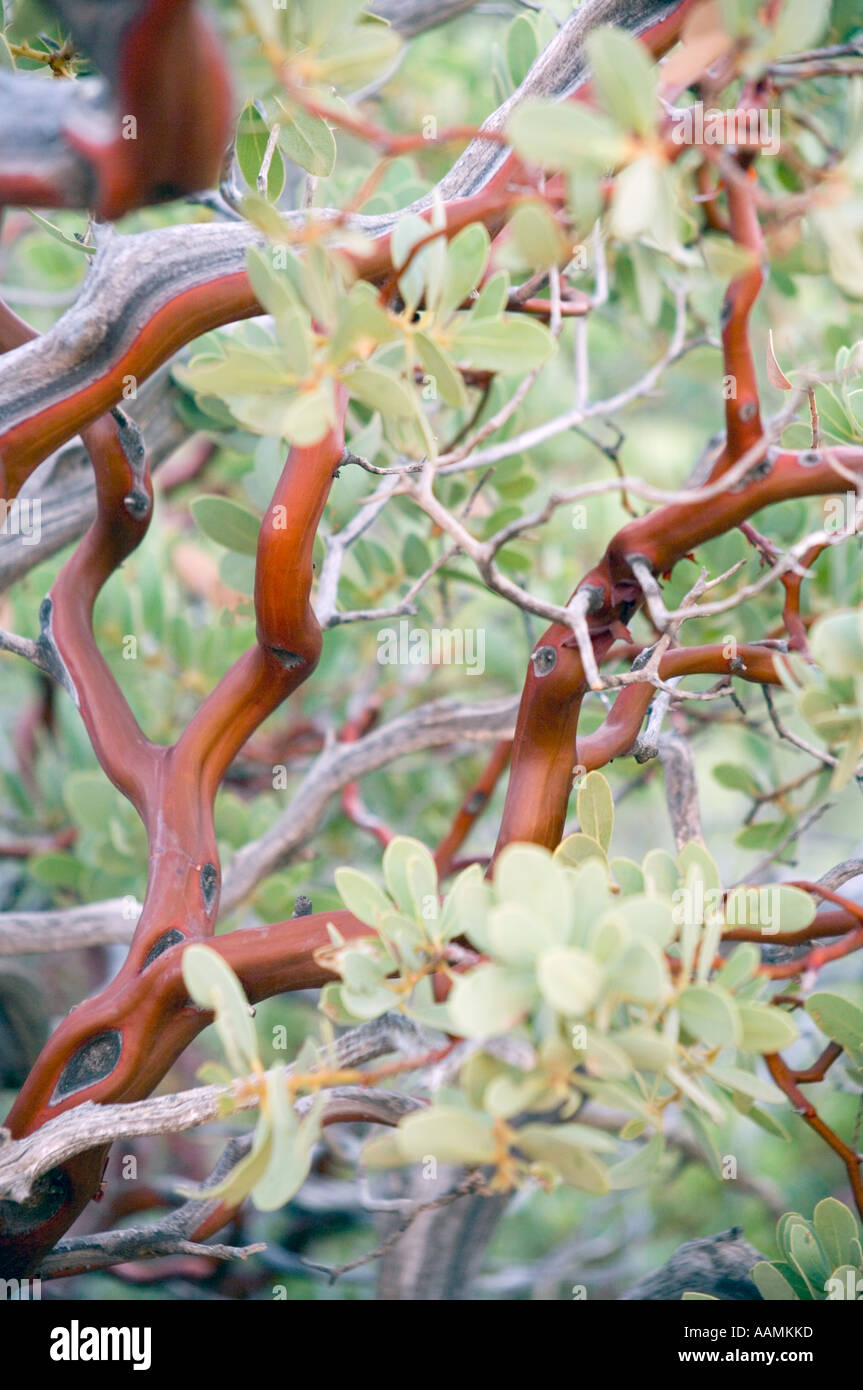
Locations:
89 1125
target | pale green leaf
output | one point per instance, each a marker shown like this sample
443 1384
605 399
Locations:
596 808
308 141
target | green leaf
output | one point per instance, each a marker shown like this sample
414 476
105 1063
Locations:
528 875
437 365
596 808
628 875
635 1170
466 905
361 896
808 1257
510 1094
766 1028
326 19
691 1088
661 874
59 235
403 937
292 1146
710 1014
795 909
771 1284
619 1095
366 1004
575 849
565 135
212 984
516 935
645 916
649 1050
605 1059
57 870
839 1020
575 1164
640 974
449 1134
405 885
490 999
784 1227
233 526
535 239
425 270
799 24
591 890
643 202
416 556
309 416
493 296
253 133
237 1185
364 52
571 980
766 1121
522 48
90 799
740 967
238 572
736 1079
512 344
238 371
766 834
381 389
269 1189
464 266
308 141
384 1151
649 284
737 778
623 77
838 1232
695 854
837 642
294 334
277 291
361 320
534 1138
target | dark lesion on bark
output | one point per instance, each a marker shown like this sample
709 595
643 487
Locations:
95 1060
164 943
